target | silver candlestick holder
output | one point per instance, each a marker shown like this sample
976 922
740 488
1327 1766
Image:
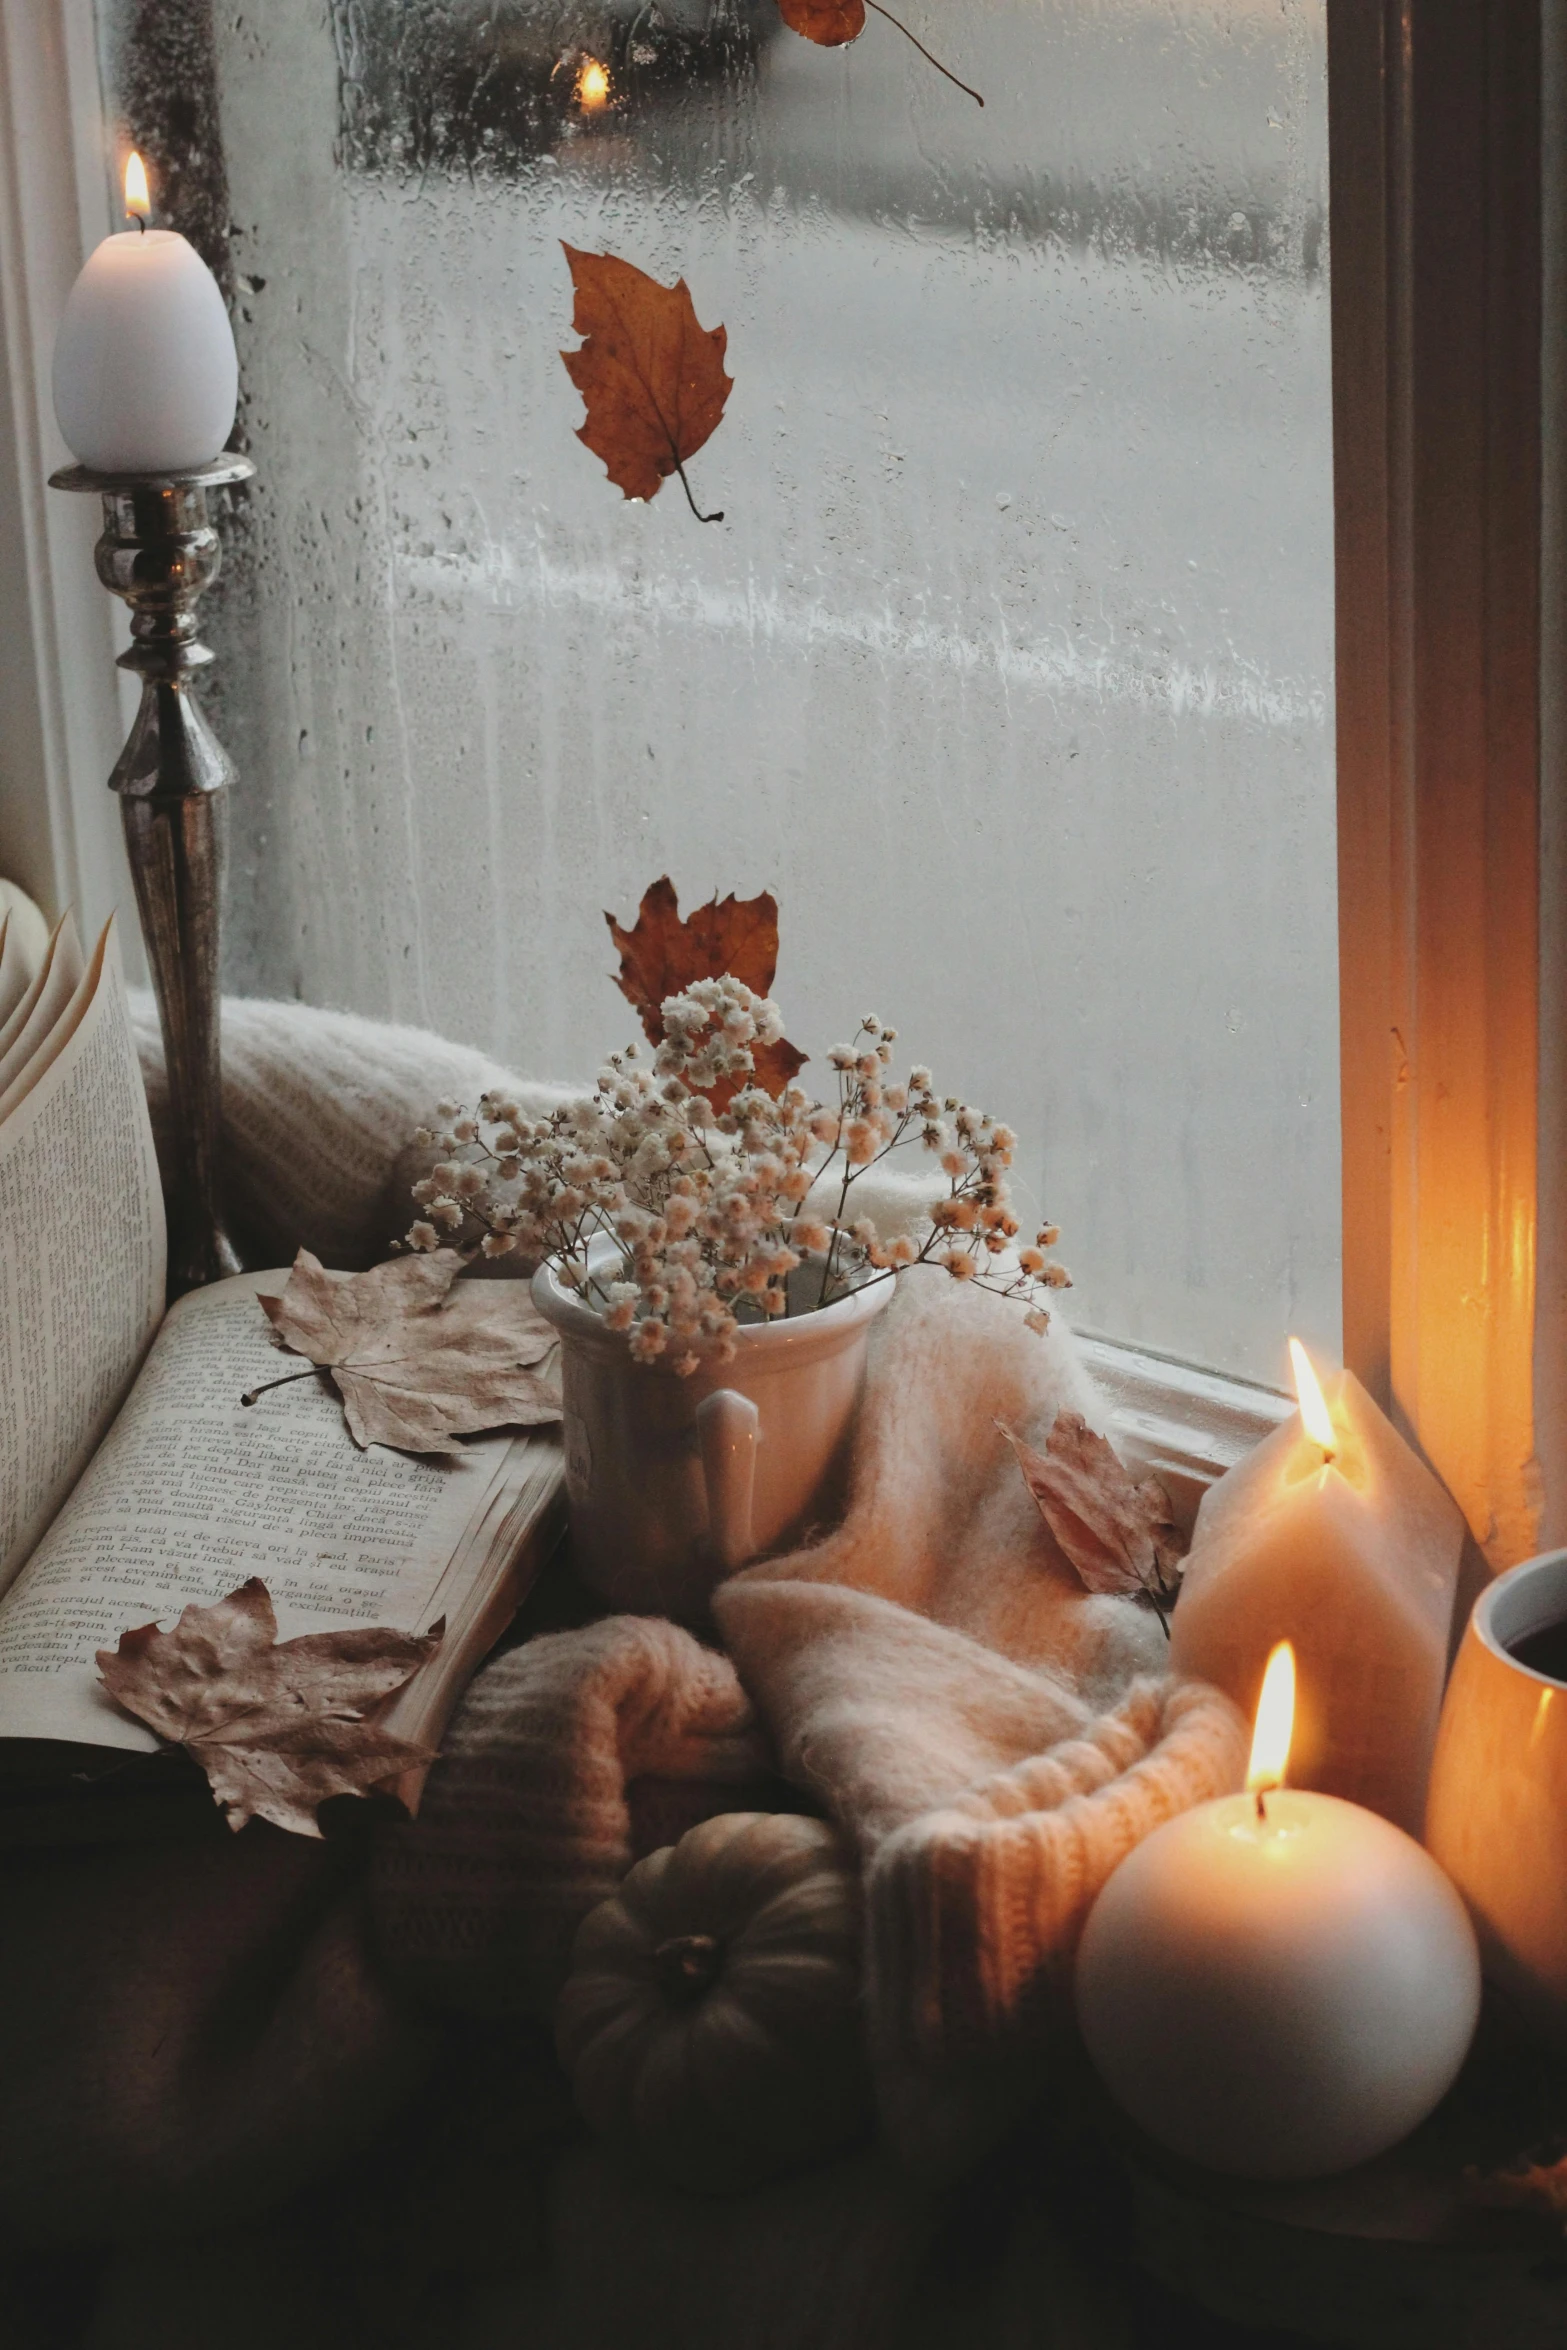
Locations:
158 551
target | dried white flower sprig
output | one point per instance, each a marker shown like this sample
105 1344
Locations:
710 1210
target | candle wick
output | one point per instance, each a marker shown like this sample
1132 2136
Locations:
141 223
1262 1808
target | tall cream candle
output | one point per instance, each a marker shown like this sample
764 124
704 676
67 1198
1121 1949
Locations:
1342 1542
145 373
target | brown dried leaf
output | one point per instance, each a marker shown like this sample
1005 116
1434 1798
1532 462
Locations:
418 1362
772 1066
1119 1536
276 1726
652 380
827 22
661 954
830 23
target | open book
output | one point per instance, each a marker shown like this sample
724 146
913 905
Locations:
132 1479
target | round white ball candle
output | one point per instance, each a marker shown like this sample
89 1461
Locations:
1278 1985
146 379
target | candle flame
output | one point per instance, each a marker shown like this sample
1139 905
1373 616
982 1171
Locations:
592 86
1315 1416
1270 1743
137 201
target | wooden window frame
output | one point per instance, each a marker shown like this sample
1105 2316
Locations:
1450 1081
1452 728
62 715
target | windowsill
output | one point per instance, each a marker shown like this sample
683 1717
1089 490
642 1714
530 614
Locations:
1179 1424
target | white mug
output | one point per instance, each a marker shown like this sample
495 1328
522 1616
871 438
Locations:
1496 1812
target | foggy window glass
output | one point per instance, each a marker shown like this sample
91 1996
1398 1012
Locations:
1009 666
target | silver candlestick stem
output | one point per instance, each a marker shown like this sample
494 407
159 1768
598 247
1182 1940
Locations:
159 551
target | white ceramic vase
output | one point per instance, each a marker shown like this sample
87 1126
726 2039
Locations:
674 1483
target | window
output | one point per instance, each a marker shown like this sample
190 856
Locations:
1447 494
1010 665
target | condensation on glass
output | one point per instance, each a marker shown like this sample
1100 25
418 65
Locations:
1009 667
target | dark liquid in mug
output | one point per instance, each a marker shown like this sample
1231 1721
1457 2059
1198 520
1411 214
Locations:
1544 1651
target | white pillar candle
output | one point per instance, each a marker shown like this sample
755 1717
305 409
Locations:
1342 1542
1278 1991
146 379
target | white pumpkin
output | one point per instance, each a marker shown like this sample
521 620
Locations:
711 2024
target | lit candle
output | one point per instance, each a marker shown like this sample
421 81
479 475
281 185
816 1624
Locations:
1333 1535
145 374
1278 1985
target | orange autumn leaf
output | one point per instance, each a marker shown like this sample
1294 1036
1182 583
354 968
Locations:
652 379
772 1066
827 22
660 955
832 23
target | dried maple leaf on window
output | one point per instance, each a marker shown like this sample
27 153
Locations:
832 23
277 1726
1118 1535
417 1361
661 954
652 380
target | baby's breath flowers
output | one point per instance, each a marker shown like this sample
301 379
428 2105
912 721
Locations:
679 1220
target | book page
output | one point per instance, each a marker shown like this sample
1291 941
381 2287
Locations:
23 998
56 1023
191 1492
81 1259
42 1000
15 970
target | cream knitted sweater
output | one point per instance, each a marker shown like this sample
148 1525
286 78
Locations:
537 1807
995 1739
